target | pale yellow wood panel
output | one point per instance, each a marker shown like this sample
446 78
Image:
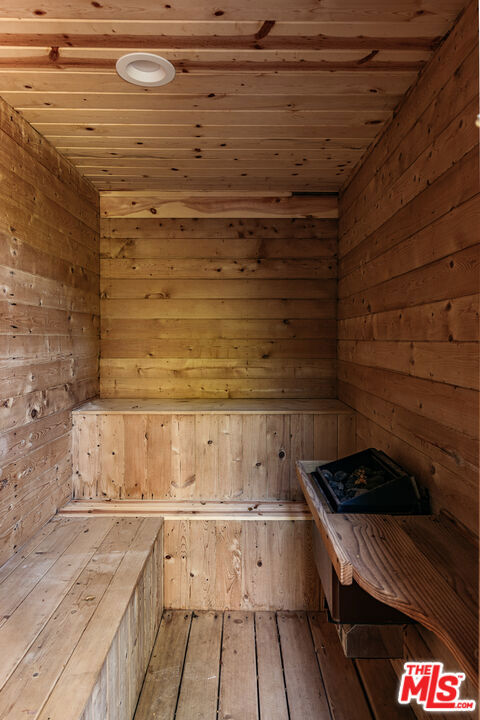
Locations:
115 368
221 132
121 206
198 456
270 568
205 117
189 509
214 564
144 156
301 83
82 145
312 406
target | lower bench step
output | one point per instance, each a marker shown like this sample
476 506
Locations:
79 611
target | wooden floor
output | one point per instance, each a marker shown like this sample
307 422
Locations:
263 665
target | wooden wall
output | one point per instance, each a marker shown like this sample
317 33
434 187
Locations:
240 564
49 323
214 307
409 280
203 456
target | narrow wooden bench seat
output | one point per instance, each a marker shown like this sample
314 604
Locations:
409 562
80 606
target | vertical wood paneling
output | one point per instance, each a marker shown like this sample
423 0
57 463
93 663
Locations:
202 456
408 282
49 326
239 565
218 308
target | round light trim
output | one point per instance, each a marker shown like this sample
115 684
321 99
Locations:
145 69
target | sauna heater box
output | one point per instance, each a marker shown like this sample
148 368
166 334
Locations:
366 482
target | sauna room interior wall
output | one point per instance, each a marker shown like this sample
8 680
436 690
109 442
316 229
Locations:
218 308
49 323
408 282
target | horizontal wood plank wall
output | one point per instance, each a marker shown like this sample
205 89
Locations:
408 282
221 308
49 325
240 565
202 456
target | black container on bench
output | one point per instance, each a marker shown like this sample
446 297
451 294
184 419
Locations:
370 482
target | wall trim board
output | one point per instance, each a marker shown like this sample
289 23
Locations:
196 205
190 510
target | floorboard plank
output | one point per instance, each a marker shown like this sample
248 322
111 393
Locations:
159 695
271 684
238 680
305 690
381 685
199 688
338 672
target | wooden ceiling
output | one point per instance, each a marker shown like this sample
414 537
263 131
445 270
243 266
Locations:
269 95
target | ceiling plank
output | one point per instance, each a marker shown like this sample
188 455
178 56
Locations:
80 101
220 132
101 146
357 26
232 118
273 81
319 41
238 10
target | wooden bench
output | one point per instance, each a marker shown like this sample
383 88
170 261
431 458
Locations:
222 474
407 562
80 606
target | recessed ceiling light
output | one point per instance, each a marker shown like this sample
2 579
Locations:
145 69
